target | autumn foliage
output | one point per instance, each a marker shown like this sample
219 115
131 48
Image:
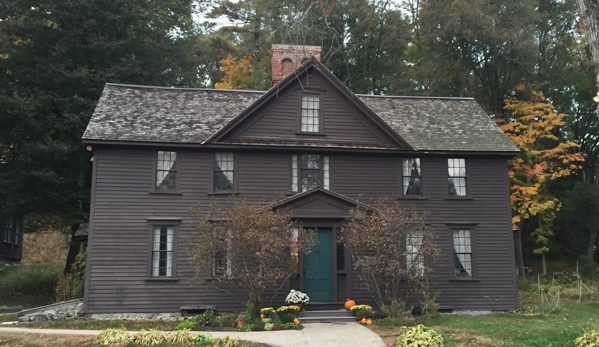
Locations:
534 126
237 73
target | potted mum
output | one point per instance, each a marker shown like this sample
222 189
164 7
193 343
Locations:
267 314
297 298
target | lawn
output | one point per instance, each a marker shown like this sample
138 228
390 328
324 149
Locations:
88 324
509 329
28 285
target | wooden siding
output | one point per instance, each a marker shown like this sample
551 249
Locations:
123 206
279 119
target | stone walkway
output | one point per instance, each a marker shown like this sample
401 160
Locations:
313 334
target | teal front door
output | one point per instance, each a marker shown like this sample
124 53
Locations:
318 268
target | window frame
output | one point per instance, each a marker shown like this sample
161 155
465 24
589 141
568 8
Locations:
235 174
420 259
175 169
319 93
153 224
298 173
229 265
474 273
401 183
466 177
16 232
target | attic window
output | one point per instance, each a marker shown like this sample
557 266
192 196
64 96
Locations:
310 116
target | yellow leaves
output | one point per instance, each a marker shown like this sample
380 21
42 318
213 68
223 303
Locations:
237 73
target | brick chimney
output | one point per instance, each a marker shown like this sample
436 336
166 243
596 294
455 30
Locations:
286 58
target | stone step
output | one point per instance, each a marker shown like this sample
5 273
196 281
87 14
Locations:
325 319
323 316
326 313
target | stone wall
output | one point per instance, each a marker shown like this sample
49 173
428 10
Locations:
56 312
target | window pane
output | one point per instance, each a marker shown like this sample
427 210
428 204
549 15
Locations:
325 167
310 115
462 253
224 169
166 174
162 251
294 173
457 176
411 176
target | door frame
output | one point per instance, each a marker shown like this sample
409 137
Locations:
334 225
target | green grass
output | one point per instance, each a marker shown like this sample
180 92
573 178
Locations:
8 318
28 285
84 324
510 329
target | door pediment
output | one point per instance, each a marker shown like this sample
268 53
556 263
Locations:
318 203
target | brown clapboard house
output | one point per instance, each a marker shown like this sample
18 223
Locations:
158 151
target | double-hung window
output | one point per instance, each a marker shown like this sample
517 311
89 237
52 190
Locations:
166 171
163 250
411 176
224 171
457 176
17 232
309 171
414 260
310 114
462 252
222 262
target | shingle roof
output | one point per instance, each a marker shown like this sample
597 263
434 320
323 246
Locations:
190 116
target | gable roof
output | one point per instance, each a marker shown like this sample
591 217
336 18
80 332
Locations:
127 113
314 66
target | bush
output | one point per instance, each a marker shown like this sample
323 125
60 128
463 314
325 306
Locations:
113 337
187 324
205 318
587 266
68 288
357 308
227 320
418 336
379 314
203 340
180 337
149 337
588 339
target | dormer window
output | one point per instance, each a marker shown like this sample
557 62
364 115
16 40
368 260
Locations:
310 117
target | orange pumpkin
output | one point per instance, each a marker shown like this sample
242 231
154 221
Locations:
363 321
349 304
262 316
368 322
296 321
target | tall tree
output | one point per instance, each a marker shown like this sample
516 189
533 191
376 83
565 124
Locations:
534 126
589 13
55 58
237 73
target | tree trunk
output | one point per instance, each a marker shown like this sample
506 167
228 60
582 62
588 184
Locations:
592 237
589 13
544 263
518 249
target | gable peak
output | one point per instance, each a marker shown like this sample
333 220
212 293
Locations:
286 58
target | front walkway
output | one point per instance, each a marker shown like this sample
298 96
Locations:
313 334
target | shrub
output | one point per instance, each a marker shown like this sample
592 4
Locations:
113 337
181 337
552 308
364 314
187 324
588 339
227 320
258 327
204 318
246 327
587 266
418 336
379 314
203 340
291 326
149 337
